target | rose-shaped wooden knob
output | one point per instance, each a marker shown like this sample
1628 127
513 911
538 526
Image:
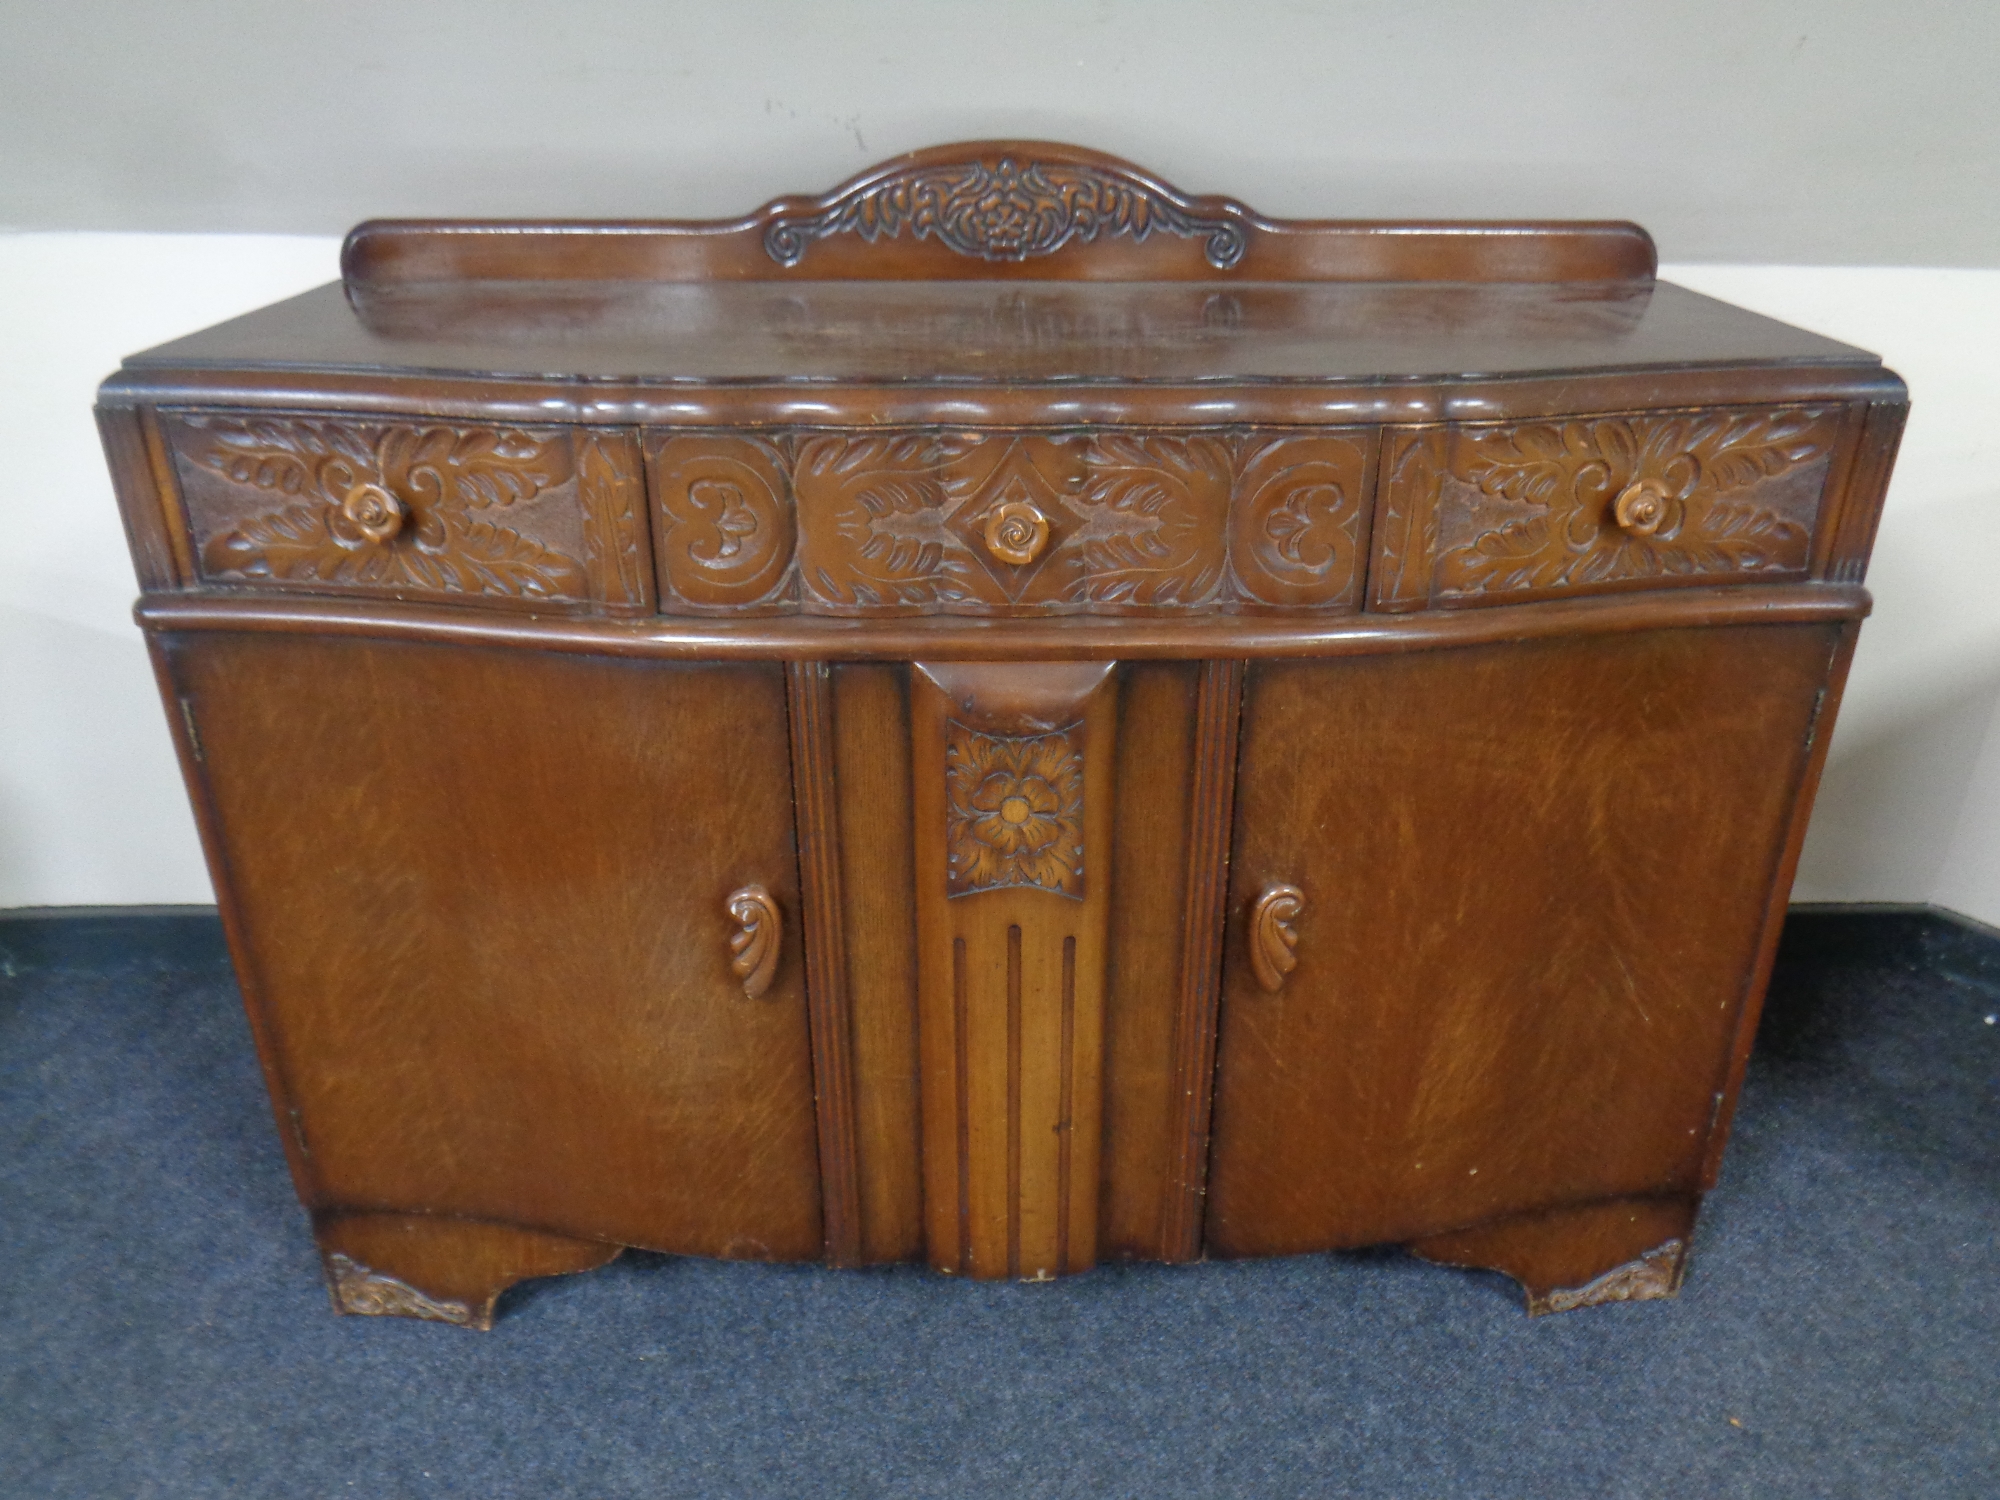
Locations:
1016 532
376 514
1641 508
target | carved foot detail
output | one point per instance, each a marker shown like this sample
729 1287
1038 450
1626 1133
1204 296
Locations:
440 1269
1657 1273
358 1289
1620 1250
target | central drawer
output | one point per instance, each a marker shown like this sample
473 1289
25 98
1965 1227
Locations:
1119 521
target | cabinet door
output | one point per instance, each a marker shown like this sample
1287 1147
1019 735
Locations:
481 913
1528 884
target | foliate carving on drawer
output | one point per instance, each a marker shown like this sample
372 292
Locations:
1012 523
350 505
723 510
1481 514
1014 811
1130 520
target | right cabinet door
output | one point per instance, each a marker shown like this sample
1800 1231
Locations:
1510 898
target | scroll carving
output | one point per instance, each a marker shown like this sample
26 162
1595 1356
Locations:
1295 528
725 512
755 943
1005 211
357 1289
1548 505
1014 811
1657 1273
1272 936
434 508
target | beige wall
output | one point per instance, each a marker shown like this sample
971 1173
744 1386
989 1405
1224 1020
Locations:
1851 132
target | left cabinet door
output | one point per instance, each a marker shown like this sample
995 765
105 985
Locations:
482 918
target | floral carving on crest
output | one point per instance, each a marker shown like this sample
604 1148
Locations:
1005 211
1014 811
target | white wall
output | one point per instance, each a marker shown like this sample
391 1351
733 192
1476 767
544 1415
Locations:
1851 132
1909 805
91 810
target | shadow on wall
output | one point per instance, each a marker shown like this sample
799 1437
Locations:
91 806
1893 795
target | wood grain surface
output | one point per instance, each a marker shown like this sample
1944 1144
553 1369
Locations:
1004 716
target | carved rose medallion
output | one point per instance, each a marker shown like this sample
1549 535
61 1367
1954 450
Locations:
1014 811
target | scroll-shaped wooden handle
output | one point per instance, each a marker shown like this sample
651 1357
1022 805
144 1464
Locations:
1271 936
756 940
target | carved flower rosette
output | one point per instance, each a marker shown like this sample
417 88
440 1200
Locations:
1014 811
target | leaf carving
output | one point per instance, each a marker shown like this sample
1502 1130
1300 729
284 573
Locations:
1530 506
446 478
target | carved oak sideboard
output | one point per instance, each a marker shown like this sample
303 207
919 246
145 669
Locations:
1004 717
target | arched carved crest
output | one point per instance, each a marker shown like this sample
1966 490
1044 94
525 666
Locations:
1027 203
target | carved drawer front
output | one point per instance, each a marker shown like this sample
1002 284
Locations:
528 518
946 522
1490 514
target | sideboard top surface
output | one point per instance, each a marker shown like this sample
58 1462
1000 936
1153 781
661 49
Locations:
996 332
1023 264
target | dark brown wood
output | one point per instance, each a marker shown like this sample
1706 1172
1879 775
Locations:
1483 515
1862 513
1071 639
123 433
1012 794
1212 798
1216 392
1819 735
462 952
1469 1038
996 209
539 519
872 778
724 737
815 797
1623 1250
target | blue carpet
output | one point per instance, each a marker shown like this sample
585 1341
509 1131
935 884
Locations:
163 1331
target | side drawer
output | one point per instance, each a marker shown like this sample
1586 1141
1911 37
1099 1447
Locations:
1499 513
543 518
1080 521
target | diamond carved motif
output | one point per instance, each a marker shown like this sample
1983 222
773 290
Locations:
1039 472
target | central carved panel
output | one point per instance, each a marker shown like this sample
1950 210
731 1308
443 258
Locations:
1010 784
1014 811
1090 521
